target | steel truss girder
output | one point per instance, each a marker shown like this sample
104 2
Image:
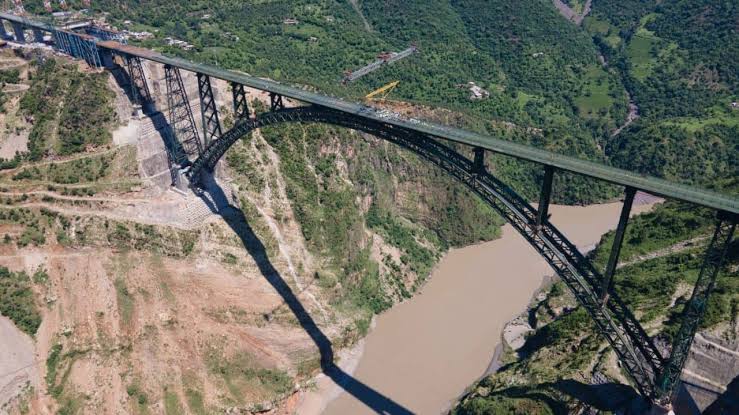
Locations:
78 47
208 110
241 104
186 141
614 321
139 87
695 308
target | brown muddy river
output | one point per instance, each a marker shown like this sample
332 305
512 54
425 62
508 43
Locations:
423 353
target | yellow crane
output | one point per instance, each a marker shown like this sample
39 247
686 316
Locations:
381 93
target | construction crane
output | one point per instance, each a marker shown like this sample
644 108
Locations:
384 58
381 93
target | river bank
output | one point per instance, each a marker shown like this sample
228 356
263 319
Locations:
424 352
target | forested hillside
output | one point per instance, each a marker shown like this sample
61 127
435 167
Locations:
678 59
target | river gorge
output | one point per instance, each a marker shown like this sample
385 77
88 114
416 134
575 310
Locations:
423 353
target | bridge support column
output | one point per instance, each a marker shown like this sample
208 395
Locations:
20 35
241 105
618 240
139 88
180 118
695 309
106 58
38 36
275 102
3 31
208 110
545 196
479 161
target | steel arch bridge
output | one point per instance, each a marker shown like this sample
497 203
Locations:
656 376
616 323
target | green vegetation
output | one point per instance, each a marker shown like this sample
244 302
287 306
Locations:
10 76
420 258
92 170
17 301
70 110
57 363
139 396
673 57
500 404
195 401
172 404
126 302
245 378
661 257
334 226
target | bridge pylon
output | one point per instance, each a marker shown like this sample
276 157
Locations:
240 103
139 87
184 131
275 102
4 34
713 261
208 110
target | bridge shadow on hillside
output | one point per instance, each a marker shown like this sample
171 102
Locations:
218 203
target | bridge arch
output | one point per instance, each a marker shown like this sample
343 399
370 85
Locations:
614 320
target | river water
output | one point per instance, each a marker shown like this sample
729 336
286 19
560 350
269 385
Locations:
423 353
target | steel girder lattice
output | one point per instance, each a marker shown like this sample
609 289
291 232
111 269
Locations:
105 34
208 110
696 307
275 102
614 320
241 105
74 45
181 120
139 88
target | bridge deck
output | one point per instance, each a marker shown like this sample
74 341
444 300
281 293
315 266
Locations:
614 175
